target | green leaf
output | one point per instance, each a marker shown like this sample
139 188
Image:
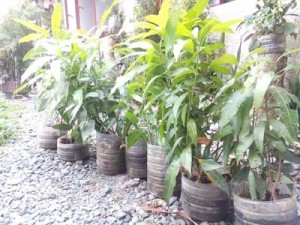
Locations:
290 118
197 9
186 159
259 135
132 137
262 84
232 106
260 186
22 87
170 34
254 159
170 179
225 59
209 165
63 127
223 132
281 130
88 129
178 47
177 104
227 148
179 75
218 180
243 146
224 27
289 156
31 37
33 27
192 130
252 185
241 175
183 113
132 117
105 15
56 20
35 67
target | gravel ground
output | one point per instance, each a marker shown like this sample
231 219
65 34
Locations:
38 188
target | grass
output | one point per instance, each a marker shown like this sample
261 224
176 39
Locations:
10 114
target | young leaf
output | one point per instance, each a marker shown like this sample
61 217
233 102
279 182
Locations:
33 27
170 34
56 19
197 9
105 15
35 67
31 37
225 59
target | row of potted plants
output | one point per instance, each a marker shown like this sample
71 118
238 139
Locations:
200 109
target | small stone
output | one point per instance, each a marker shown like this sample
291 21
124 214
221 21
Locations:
79 162
127 218
172 200
13 181
64 172
120 215
111 219
204 223
180 221
134 219
106 191
130 184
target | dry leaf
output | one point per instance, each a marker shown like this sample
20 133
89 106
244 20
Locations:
204 140
156 203
159 210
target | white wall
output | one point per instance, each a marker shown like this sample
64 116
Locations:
86 13
71 14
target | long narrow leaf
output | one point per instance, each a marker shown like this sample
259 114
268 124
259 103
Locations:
170 179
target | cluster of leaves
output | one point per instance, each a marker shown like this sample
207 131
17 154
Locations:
12 52
269 18
9 115
257 126
73 79
174 82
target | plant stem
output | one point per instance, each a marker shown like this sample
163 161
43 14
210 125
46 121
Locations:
269 154
277 177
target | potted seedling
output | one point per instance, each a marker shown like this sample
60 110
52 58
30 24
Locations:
67 70
256 126
175 80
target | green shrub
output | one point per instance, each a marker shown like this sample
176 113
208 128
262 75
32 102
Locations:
9 118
